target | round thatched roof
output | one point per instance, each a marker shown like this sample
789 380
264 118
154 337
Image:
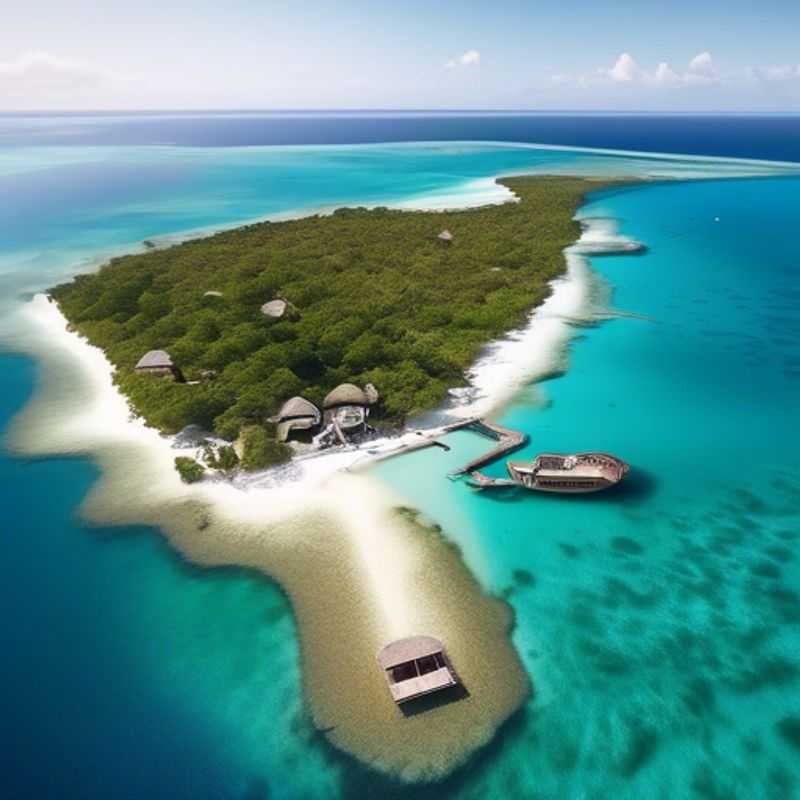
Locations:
446 236
298 407
287 426
275 308
346 394
155 359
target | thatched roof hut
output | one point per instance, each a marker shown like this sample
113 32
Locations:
274 308
298 407
155 359
347 408
445 236
346 394
297 413
158 362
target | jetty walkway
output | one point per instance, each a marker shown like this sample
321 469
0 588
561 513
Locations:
507 441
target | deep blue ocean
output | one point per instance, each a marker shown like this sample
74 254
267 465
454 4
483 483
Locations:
659 624
733 135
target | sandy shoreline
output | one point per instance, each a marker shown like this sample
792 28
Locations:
358 573
539 348
504 368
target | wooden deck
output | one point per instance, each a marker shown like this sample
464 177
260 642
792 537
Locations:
507 442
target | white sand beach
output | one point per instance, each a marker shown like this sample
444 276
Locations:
357 571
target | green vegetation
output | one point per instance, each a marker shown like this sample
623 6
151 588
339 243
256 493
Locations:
261 450
189 470
375 297
223 458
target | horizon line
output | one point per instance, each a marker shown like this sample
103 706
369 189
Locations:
442 111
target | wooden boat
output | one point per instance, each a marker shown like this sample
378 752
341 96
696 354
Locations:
415 666
555 472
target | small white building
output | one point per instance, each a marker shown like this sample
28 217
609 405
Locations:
416 666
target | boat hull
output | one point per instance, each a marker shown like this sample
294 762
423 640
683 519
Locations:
580 473
570 489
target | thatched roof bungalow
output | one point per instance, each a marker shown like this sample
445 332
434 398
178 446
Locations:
155 359
347 406
445 236
296 414
159 363
346 394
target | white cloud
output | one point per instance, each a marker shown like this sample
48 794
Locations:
625 70
469 59
40 71
777 73
666 76
703 64
701 69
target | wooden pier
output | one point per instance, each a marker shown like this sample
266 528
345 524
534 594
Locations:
507 441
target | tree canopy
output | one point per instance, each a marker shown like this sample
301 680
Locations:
375 297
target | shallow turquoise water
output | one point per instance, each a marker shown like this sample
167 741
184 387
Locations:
65 206
125 668
659 623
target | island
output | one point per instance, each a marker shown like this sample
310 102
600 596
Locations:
305 333
246 330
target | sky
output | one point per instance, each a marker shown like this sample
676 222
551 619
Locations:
672 55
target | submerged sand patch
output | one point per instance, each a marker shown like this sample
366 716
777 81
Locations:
358 571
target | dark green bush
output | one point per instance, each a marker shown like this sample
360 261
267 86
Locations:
261 450
223 458
189 470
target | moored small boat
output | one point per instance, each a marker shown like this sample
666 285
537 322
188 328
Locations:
578 472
